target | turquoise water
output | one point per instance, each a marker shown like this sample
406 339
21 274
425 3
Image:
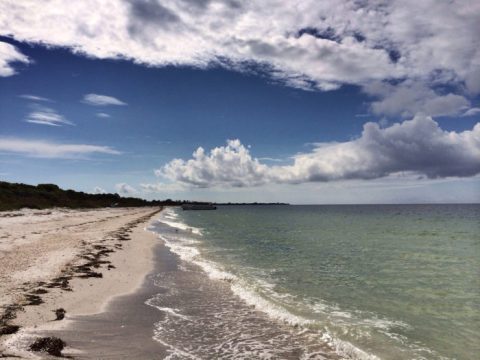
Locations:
395 281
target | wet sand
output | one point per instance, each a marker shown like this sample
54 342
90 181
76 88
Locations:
125 329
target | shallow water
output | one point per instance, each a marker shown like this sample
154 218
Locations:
393 282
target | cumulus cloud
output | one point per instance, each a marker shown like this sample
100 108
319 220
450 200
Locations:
34 98
99 190
47 149
101 100
310 45
125 189
417 146
9 55
46 116
231 164
103 115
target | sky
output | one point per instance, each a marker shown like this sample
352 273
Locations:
326 102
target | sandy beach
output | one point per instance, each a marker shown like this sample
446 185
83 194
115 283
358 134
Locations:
75 260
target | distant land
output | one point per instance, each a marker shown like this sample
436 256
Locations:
250 204
14 196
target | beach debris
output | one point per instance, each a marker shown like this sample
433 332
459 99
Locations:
90 274
61 282
51 345
39 291
6 329
10 313
33 299
8 356
60 313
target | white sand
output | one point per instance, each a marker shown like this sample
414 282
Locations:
39 245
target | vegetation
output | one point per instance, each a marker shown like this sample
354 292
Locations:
15 196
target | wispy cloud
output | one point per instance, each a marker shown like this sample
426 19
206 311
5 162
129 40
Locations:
47 116
34 98
418 147
48 149
102 100
9 55
471 112
103 115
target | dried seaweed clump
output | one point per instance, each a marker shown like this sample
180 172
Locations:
51 345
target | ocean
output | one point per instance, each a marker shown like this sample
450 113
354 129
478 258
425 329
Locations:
334 282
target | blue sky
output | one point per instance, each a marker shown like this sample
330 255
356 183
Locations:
300 123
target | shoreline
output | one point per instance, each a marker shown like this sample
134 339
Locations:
181 312
76 260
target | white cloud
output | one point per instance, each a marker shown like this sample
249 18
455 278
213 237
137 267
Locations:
47 149
418 146
9 55
99 190
46 116
34 98
103 115
101 100
231 165
125 189
162 188
472 112
411 97
310 44
270 159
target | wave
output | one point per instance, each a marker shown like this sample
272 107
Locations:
169 220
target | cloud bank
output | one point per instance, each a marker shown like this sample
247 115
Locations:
429 47
418 147
101 100
47 149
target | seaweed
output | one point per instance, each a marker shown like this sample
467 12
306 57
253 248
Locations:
8 329
51 345
90 274
60 314
39 291
61 282
33 299
10 312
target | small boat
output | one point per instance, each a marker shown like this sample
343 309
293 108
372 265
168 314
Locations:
199 207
